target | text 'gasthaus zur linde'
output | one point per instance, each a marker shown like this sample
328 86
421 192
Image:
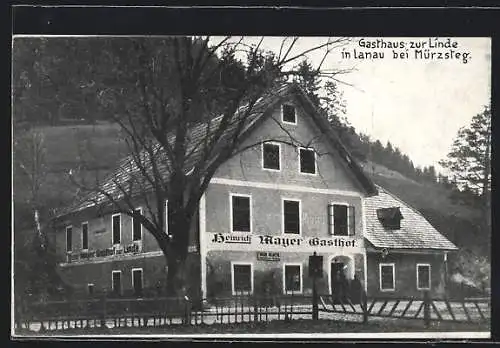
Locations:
428 49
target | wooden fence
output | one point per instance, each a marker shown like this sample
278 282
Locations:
472 310
163 312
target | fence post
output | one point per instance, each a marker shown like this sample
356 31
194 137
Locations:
314 300
255 315
364 306
44 306
427 309
187 319
42 327
103 312
18 307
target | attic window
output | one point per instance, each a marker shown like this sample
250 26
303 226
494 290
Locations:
288 114
390 217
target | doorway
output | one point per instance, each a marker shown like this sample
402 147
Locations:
341 274
338 280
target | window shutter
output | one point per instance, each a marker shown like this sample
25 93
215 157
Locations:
166 217
352 222
331 219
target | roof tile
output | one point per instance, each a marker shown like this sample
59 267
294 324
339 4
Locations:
127 170
415 232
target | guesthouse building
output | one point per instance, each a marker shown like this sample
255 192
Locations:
263 214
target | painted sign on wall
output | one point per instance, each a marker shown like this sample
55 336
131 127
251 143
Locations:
247 241
85 255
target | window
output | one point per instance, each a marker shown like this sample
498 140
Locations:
116 282
116 228
423 276
137 226
137 281
242 278
90 289
271 156
291 216
386 274
85 236
240 213
288 114
307 161
390 217
69 238
341 220
292 278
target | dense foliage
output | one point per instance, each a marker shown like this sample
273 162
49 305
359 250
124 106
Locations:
469 162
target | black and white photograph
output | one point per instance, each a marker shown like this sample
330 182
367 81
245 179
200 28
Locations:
244 186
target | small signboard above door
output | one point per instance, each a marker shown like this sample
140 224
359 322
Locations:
268 256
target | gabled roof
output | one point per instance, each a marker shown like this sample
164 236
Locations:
415 232
126 167
322 122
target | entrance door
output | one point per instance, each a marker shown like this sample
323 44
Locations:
338 280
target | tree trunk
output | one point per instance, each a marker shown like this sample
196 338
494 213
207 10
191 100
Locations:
179 225
172 270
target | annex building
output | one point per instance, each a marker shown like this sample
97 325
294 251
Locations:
264 213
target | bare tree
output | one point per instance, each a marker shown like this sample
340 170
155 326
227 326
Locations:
30 163
32 273
178 136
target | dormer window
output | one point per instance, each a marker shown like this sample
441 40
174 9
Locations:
288 114
390 218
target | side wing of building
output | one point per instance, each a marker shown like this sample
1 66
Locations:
101 250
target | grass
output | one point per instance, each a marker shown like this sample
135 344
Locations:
276 327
